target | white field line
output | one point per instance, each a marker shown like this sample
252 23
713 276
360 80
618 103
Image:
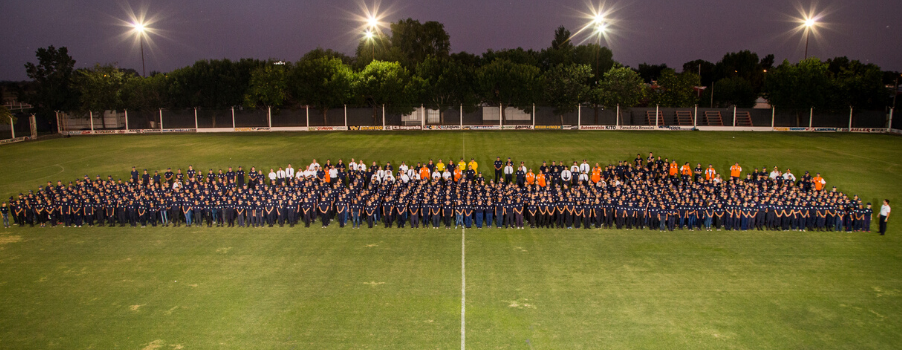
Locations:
463 268
463 290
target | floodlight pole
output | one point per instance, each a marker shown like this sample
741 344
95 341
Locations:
143 68
807 36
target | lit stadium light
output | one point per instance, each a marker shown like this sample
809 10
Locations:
808 23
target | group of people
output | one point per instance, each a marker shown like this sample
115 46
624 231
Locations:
644 193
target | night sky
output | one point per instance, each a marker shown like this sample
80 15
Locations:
671 32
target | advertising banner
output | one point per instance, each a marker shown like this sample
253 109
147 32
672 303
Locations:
364 128
328 128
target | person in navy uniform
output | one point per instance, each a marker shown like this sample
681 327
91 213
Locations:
370 210
498 165
239 176
868 216
240 212
134 174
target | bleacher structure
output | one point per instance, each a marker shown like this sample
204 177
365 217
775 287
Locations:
652 116
684 118
713 118
743 118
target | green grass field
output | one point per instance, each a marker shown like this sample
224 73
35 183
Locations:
281 288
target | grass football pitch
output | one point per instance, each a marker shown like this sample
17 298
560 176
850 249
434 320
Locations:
295 288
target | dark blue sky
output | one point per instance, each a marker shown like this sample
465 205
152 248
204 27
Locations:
652 31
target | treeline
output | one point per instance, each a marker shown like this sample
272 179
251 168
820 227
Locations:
414 66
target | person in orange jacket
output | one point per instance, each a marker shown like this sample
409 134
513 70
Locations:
686 172
674 169
710 172
540 179
457 174
819 182
530 178
424 172
735 171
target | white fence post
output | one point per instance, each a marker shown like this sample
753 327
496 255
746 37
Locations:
269 116
91 115
383 117
161 119
617 117
308 116
656 116
234 125
12 126
773 115
346 116
734 116
850 118
126 120
461 116
889 123
423 115
195 119
579 116
500 115
533 115
695 117
59 131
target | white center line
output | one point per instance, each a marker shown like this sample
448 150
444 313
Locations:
463 267
463 290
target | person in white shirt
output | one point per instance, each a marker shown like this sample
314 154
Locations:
411 173
352 166
333 174
566 176
403 167
381 174
884 216
404 178
280 176
436 175
583 177
508 173
376 179
361 167
289 172
788 176
585 167
313 165
774 174
574 169
446 175
388 177
272 176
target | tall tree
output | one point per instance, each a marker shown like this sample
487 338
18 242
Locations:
597 57
676 90
53 88
268 86
565 87
561 39
800 86
621 86
322 82
703 68
651 72
385 83
446 83
212 83
858 85
100 88
416 40
143 94
509 84
734 91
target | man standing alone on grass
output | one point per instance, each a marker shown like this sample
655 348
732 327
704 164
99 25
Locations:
884 216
